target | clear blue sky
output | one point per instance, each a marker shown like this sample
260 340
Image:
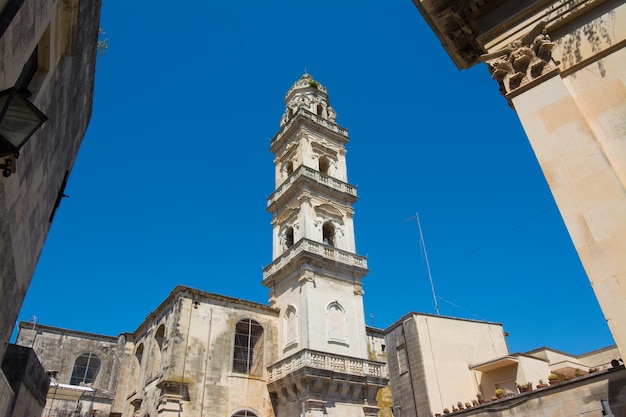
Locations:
171 182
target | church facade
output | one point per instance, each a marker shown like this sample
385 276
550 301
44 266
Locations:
308 351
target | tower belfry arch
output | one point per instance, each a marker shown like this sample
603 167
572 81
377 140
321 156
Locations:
315 274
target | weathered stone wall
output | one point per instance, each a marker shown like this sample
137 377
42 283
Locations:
57 349
28 380
63 89
192 372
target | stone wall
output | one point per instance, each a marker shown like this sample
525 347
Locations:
189 372
66 33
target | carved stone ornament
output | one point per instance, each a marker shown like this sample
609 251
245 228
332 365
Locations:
522 62
307 276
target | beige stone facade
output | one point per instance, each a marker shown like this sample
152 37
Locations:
561 64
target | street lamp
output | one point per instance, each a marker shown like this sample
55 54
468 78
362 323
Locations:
19 119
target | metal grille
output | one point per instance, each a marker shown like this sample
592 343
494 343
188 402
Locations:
248 348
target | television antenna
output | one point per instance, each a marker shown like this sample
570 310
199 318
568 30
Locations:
423 248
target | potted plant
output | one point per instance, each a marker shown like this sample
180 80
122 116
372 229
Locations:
499 393
480 397
460 405
474 403
541 384
553 378
579 372
446 411
468 404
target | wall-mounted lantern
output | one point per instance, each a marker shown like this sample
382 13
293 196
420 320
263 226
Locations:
19 119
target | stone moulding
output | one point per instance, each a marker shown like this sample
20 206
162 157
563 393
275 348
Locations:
318 250
341 133
304 171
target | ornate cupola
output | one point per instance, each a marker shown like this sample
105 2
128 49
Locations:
315 274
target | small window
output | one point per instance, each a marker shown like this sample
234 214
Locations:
244 413
323 165
328 233
139 353
159 336
289 237
320 110
248 348
86 368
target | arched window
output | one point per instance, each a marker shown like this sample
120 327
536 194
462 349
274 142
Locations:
323 165
328 233
289 237
336 323
139 353
136 366
244 413
290 329
159 336
86 368
248 348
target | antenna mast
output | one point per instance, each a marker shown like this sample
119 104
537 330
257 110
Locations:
430 277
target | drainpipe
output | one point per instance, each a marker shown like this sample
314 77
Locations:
606 408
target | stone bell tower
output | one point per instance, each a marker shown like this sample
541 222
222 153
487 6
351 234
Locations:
315 275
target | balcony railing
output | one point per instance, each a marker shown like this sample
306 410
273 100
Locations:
304 171
325 361
307 114
327 252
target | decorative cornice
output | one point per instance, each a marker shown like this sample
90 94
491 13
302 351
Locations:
303 173
306 250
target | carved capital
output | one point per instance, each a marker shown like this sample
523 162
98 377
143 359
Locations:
522 63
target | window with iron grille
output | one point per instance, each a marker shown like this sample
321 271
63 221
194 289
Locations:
248 348
86 368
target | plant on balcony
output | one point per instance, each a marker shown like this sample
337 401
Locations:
480 397
468 404
475 403
460 405
446 411
579 372
541 384
553 378
499 393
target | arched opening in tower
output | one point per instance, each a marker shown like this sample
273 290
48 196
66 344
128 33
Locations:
328 233
324 165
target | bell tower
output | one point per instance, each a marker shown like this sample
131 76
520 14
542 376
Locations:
315 275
